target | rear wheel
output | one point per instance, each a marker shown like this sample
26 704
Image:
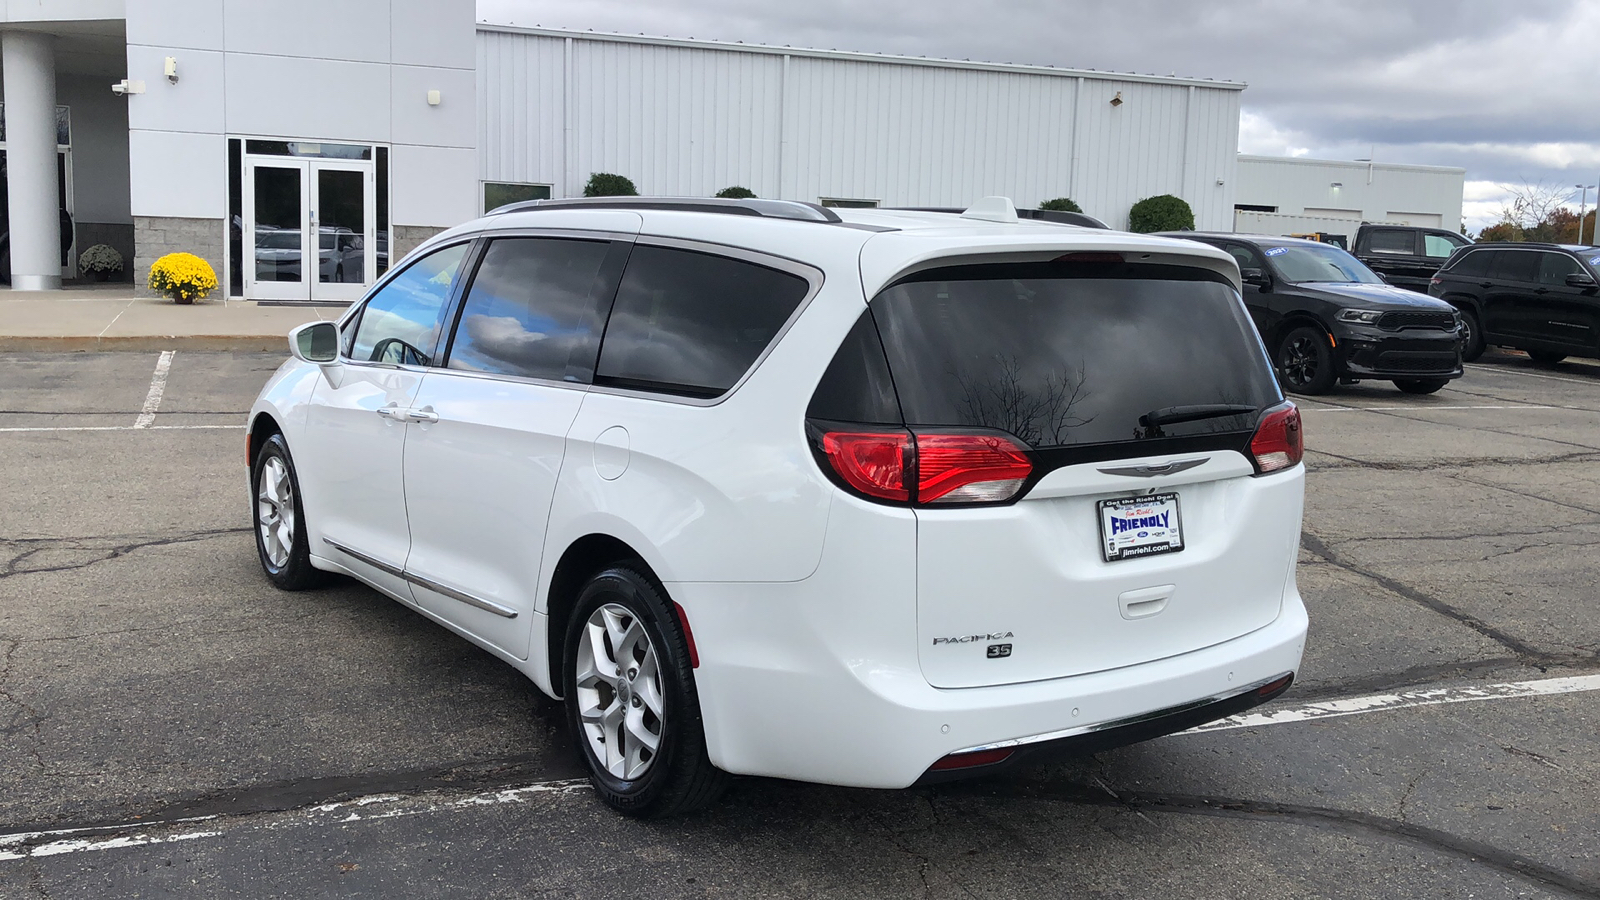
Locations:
280 529
1472 345
1305 361
1420 385
631 700
1546 357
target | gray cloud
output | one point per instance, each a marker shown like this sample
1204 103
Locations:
1508 91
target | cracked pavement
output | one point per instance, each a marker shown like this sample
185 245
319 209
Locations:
149 673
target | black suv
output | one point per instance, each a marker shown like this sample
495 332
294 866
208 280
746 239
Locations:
1324 317
1540 298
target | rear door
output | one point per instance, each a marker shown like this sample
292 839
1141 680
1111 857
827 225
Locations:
1074 359
490 429
1510 304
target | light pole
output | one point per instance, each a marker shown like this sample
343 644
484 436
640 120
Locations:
1583 207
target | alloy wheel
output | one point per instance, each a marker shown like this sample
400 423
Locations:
620 699
275 511
1299 361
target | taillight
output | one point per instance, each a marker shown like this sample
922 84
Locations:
873 463
969 468
1278 442
932 468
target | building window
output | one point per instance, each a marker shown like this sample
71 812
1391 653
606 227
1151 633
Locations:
312 149
498 193
1254 207
847 203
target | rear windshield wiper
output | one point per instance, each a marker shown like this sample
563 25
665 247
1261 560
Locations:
1171 415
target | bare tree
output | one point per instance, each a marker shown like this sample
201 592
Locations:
1040 415
1532 211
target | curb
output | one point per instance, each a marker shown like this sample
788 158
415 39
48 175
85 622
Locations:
241 343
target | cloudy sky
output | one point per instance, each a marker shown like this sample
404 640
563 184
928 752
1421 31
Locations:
1510 91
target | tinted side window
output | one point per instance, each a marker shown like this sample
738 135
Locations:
1555 267
857 386
532 310
1516 265
692 323
1440 246
400 324
1393 242
1474 264
1247 258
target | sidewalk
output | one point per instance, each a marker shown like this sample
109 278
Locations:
109 317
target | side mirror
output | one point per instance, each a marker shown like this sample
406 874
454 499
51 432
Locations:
1256 277
315 342
1580 280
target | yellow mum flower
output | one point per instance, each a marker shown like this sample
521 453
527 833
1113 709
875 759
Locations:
182 276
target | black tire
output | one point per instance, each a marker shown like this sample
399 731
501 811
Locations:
1472 343
1420 385
1304 361
295 572
1546 357
680 778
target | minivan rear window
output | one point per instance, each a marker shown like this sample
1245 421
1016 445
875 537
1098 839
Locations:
1071 354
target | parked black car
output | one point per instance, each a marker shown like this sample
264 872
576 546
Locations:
1325 317
1403 255
1541 298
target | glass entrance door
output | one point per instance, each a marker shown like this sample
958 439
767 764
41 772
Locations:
308 228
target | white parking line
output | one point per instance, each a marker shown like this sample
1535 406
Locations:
134 427
1417 408
1354 706
1481 368
26 844
158 386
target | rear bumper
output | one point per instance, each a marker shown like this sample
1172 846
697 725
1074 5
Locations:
784 695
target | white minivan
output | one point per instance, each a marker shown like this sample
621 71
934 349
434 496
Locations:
861 497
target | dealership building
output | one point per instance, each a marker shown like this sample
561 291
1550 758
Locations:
301 147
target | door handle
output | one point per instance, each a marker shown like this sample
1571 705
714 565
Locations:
1484 284
1541 290
392 412
425 415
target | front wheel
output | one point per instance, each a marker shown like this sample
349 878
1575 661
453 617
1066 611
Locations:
281 542
1546 357
631 700
1420 385
1305 362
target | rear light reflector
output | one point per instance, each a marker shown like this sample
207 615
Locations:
969 760
1272 688
969 468
873 463
688 635
1278 442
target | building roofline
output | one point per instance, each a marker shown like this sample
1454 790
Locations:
856 56
1352 164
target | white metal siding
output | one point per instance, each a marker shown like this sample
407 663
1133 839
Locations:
1420 195
690 119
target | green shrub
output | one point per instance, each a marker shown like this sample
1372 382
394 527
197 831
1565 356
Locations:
605 184
736 193
1061 204
100 258
1160 213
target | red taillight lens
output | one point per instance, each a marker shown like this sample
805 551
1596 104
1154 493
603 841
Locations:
873 463
969 468
1278 442
969 760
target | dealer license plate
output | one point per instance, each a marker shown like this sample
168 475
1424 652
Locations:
1140 526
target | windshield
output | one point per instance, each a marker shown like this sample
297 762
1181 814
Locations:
1059 357
1319 263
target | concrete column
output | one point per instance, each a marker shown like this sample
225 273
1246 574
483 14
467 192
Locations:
30 97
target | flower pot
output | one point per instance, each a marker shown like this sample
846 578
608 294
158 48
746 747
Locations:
101 275
183 301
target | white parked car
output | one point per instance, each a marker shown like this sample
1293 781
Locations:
861 497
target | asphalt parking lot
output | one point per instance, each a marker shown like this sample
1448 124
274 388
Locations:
172 725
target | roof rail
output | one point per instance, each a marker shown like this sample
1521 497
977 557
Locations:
771 209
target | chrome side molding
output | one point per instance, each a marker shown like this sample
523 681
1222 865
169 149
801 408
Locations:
1151 471
430 584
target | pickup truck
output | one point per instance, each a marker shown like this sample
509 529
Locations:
1404 255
